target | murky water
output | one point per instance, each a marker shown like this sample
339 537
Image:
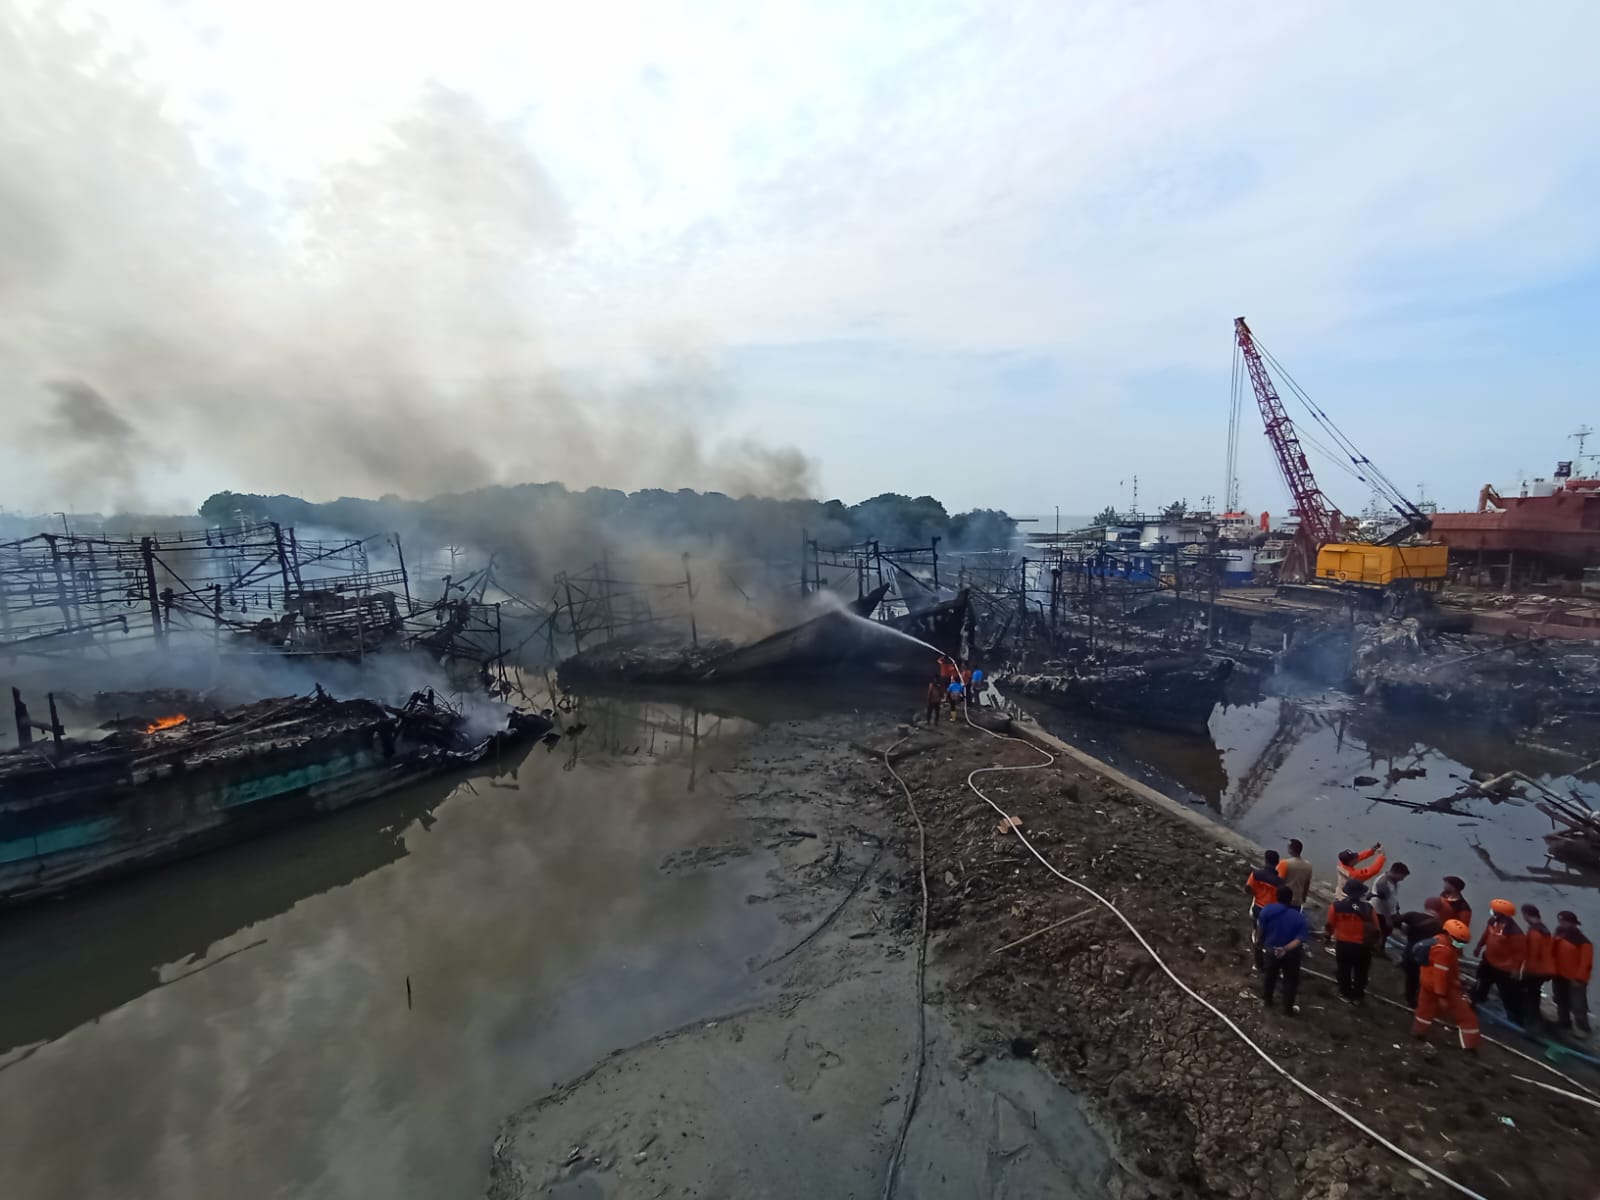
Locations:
1285 766
241 1023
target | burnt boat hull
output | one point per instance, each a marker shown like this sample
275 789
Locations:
834 641
112 813
1176 696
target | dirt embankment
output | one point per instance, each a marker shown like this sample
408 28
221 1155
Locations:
1066 1066
1190 1103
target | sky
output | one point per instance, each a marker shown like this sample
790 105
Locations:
989 253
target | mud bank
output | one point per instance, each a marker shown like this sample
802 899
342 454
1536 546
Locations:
1198 1112
803 1093
1067 1065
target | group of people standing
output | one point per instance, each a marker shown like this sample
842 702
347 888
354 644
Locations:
952 684
1513 960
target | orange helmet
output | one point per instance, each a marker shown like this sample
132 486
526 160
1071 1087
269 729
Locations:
1503 907
1458 930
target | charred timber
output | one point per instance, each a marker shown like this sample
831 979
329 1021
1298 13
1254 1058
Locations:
183 783
832 642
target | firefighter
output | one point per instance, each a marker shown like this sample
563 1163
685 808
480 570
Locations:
1574 962
1541 966
1441 987
1353 925
935 698
1455 904
953 693
1361 866
1502 959
1262 884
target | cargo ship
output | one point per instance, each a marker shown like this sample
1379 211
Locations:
1551 528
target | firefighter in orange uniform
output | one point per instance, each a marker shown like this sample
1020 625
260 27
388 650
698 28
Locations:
1541 968
1441 988
1353 925
1504 959
1574 963
1262 884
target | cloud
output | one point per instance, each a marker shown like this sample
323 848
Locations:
1103 186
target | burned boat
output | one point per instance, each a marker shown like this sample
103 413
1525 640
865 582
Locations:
1172 693
73 811
824 643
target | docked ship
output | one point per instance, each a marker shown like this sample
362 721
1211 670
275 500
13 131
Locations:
1551 528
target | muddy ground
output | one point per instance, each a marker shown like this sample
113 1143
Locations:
1066 1066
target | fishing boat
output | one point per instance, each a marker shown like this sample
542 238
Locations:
75 810
1171 693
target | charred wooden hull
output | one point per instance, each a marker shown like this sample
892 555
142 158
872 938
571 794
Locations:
822 645
82 812
838 641
1177 695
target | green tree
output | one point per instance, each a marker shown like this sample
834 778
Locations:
1175 511
1107 516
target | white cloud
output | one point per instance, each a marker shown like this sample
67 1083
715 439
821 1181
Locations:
1102 184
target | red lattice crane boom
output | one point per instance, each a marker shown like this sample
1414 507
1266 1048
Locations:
1319 520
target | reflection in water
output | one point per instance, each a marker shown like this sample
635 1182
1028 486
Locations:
350 1007
1286 767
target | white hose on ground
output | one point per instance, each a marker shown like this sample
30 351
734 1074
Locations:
1550 1087
1184 987
1540 1063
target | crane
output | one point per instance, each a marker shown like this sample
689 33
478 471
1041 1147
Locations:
1321 525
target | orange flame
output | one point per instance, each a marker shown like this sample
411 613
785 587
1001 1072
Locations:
161 723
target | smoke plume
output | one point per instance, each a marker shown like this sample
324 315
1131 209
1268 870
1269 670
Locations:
373 329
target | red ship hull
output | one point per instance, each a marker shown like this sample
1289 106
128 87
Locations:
1561 529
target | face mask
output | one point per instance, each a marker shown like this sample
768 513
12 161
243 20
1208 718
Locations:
1458 945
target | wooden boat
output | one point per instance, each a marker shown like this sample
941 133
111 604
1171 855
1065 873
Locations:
845 639
1172 693
75 811
836 641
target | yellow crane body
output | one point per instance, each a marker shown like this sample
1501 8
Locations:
1378 566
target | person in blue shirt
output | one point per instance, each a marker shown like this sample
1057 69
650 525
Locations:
1283 938
954 693
975 693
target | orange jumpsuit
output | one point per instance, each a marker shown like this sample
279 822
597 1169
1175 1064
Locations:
1574 964
1441 994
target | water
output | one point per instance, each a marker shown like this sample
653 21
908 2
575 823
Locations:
1285 767
241 1022
891 631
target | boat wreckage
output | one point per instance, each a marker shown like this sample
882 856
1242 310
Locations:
1171 693
844 639
164 783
